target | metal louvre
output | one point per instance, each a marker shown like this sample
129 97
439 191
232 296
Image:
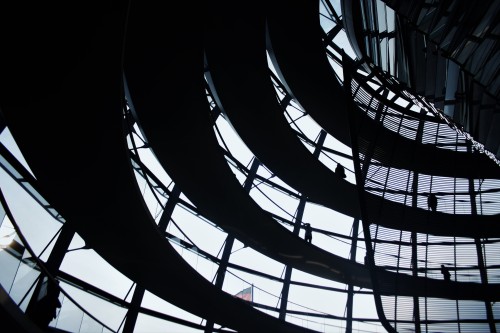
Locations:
402 121
470 260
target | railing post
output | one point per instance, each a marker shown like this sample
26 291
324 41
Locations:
350 291
135 304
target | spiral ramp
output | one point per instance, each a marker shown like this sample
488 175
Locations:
69 110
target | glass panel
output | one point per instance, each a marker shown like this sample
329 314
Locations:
250 258
204 267
23 285
343 42
381 16
9 142
265 291
10 265
88 266
70 317
314 300
106 312
153 302
390 17
274 201
201 233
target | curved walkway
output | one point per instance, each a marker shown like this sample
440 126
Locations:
72 137
238 74
299 56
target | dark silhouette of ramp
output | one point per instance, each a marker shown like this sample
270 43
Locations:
167 88
236 57
71 134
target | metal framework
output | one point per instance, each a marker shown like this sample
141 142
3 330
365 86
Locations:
226 146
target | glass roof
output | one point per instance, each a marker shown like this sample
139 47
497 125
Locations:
96 295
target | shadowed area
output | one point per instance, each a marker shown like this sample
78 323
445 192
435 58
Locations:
71 131
84 170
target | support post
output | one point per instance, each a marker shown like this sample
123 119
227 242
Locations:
135 305
221 271
288 269
169 208
350 290
296 230
480 259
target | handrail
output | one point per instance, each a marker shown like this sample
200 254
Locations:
25 176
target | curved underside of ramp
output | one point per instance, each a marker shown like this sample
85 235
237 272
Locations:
237 65
73 139
71 132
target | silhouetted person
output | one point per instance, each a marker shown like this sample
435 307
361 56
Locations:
446 273
308 236
432 202
340 171
45 308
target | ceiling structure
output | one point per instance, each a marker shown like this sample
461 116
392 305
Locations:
79 101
